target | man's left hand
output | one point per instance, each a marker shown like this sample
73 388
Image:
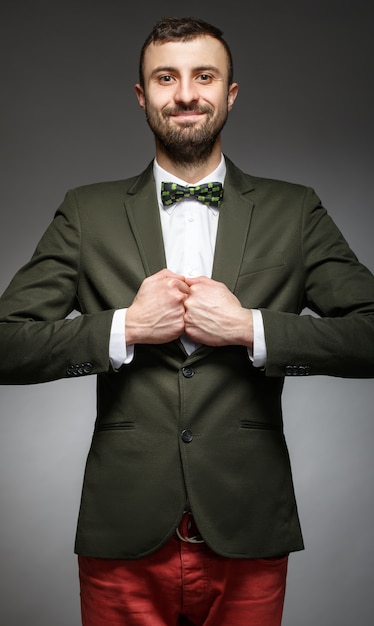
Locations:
214 316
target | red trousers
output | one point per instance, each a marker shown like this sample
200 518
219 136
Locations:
182 584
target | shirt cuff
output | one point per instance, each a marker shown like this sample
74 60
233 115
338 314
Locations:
119 353
259 354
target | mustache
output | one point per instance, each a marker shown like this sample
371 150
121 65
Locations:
182 108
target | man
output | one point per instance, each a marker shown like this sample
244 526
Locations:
190 318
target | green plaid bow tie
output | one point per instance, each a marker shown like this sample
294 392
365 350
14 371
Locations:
210 194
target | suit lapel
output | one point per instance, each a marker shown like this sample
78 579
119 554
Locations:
234 221
233 227
143 213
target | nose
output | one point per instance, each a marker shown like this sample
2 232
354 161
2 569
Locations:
186 92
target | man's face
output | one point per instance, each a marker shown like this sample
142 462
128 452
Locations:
186 96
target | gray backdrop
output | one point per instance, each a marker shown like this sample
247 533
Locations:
69 117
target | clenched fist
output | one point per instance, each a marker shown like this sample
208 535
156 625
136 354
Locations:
214 316
157 312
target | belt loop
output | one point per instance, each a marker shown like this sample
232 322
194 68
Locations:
186 525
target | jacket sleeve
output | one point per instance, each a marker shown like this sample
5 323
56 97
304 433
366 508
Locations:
37 342
337 339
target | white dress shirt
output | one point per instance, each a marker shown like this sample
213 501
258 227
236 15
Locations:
189 230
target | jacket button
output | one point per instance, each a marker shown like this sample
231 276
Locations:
187 436
188 372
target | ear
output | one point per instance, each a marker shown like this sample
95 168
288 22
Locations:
139 91
231 96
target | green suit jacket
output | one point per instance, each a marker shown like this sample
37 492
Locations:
206 426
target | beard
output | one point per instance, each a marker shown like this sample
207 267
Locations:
186 144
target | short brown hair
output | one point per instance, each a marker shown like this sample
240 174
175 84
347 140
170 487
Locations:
183 29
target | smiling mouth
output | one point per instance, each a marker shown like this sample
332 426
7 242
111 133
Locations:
186 112
187 116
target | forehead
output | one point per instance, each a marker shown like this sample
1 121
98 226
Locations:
200 52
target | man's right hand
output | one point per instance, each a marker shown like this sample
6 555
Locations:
157 312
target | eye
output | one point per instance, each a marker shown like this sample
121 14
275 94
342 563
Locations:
204 78
165 78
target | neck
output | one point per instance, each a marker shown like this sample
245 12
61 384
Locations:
191 172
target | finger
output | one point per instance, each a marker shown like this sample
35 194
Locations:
176 281
165 273
184 288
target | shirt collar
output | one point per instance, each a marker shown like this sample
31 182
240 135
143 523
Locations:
218 175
